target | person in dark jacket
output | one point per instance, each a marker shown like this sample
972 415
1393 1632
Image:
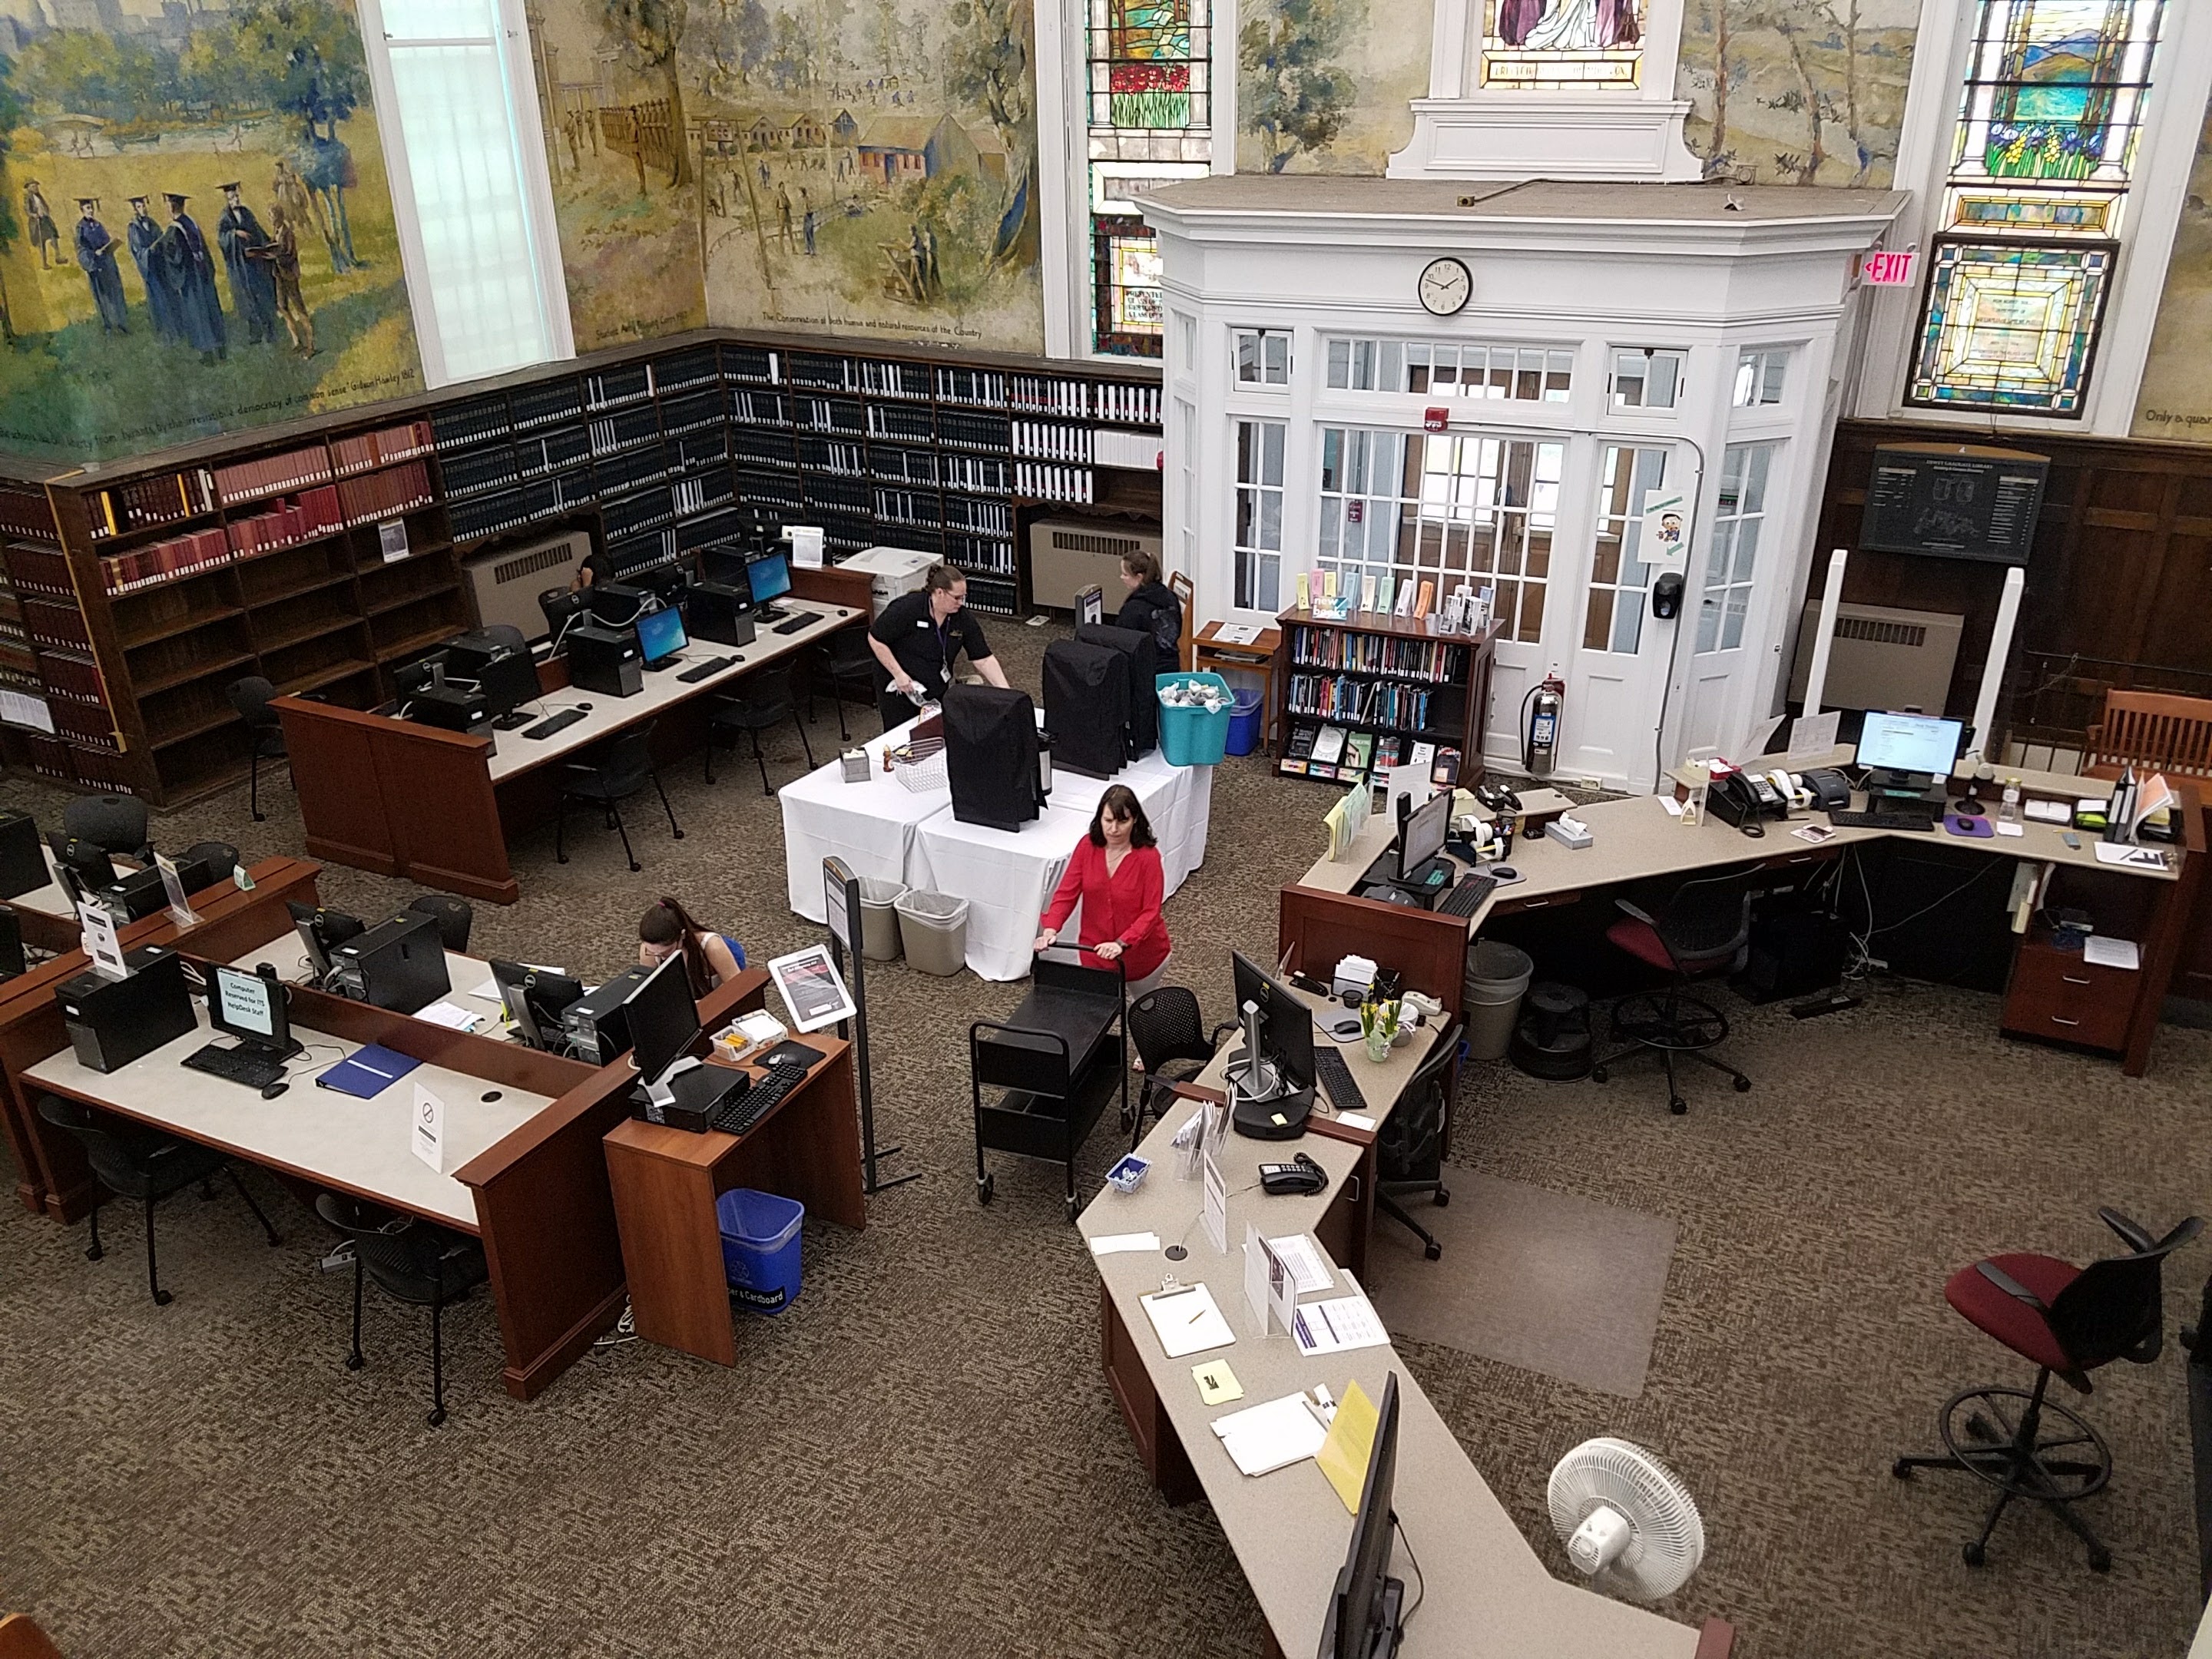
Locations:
141 235
95 257
1151 606
188 271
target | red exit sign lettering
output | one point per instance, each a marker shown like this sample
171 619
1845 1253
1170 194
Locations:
1885 269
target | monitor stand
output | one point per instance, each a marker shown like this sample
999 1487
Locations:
1882 780
289 1049
514 720
770 613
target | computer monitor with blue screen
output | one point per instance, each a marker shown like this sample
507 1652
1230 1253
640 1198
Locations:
1909 746
770 577
660 635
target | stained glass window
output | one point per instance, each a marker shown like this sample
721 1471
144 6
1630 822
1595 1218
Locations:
1563 45
2017 275
1149 122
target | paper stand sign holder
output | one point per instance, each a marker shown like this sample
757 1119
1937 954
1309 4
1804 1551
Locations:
841 898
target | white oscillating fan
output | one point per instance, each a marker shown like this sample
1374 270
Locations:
1625 1520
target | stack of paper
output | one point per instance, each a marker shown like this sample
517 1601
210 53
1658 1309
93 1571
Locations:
1188 1321
1262 1438
1348 1322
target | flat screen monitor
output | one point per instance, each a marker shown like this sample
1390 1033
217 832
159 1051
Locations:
410 678
1422 832
508 681
535 999
1910 743
1285 1021
1365 1610
22 855
322 932
663 1019
770 576
250 1007
661 636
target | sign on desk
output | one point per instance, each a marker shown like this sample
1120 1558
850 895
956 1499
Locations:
427 1134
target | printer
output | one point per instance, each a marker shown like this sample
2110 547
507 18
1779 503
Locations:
112 1021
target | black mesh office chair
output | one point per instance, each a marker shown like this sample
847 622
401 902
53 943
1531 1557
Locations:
844 660
220 857
144 1164
764 704
559 607
620 770
114 824
455 917
251 697
1692 932
1168 1030
410 1261
1409 1153
505 633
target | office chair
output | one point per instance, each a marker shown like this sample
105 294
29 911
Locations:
1409 1153
623 768
221 858
1694 931
455 917
765 703
410 1261
251 697
2068 1321
559 607
114 824
147 1165
1168 1032
846 662
506 634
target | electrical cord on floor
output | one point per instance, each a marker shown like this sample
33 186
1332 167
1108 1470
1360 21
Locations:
625 1329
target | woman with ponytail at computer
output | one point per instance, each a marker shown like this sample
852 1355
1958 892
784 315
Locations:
709 959
1116 872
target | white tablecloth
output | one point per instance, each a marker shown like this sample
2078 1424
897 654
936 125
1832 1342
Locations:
869 826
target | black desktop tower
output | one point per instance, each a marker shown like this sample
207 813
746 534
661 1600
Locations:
596 1026
451 708
22 857
720 613
467 654
1141 655
991 756
398 965
606 660
112 1021
1793 953
11 942
1086 707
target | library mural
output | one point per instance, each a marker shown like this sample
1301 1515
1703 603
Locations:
1326 86
195 231
2176 401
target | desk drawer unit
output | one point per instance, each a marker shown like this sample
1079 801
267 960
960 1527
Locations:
1512 907
2055 993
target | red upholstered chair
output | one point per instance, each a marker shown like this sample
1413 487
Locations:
2067 1322
1693 932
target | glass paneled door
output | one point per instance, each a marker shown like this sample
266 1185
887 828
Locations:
1726 604
1620 650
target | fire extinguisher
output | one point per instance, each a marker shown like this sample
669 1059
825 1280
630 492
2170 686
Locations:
1540 725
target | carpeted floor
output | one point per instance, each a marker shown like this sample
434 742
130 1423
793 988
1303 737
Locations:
920 1458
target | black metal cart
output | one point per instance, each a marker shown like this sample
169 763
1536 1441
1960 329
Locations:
1056 1063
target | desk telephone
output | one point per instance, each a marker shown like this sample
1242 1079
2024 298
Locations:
1745 797
1300 1175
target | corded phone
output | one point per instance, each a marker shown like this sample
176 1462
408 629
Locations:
1300 1175
1744 798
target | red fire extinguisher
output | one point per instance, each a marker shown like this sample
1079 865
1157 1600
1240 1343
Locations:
1540 725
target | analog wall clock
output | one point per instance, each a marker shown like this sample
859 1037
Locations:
1445 287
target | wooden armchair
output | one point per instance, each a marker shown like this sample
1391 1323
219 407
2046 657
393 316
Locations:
2151 731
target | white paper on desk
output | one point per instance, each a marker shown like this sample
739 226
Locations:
2138 858
1120 1243
1237 633
1347 1321
426 1136
1216 1213
449 1015
2102 951
2004 829
1813 734
1356 1120
1262 1438
1187 1320
1309 1268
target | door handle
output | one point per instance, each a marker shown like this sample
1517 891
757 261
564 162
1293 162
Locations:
2057 1020
1352 1189
2070 980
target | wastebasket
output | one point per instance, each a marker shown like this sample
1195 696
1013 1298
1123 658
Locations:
879 928
1498 977
760 1248
933 928
1244 723
1193 736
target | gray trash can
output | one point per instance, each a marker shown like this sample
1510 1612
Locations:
933 928
879 928
1498 977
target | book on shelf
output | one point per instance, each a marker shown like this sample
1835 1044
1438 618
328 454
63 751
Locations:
1405 606
1296 757
315 512
1358 754
1388 751
1444 774
272 475
364 451
1423 600
383 495
1385 592
164 561
1329 746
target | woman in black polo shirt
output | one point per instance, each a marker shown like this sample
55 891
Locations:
916 639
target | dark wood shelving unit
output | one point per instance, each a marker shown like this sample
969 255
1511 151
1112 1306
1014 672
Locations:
1329 661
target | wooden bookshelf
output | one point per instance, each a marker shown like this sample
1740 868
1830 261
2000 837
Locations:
133 594
1387 679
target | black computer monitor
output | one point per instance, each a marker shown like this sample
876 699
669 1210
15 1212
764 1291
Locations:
1421 833
250 1007
1366 1609
508 681
660 635
90 865
1285 1021
11 942
22 855
410 678
663 1019
770 576
535 1000
322 932
1908 745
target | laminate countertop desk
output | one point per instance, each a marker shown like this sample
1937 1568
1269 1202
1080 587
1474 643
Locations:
402 798
1487 1592
49 920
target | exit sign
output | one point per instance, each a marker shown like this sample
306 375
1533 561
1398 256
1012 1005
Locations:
1885 269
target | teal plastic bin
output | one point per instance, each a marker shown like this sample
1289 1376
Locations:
1193 737
1244 723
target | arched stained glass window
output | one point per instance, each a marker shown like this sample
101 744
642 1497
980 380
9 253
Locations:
2019 273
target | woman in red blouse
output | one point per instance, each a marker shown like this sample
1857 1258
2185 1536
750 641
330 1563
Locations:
1116 872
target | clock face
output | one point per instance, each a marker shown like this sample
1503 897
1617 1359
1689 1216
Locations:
1445 287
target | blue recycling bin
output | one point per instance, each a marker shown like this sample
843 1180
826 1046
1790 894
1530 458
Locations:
1244 723
760 1248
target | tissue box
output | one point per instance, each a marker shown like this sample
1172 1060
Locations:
855 763
1353 974
1568 832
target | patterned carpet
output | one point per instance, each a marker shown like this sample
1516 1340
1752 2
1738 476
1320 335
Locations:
920 1457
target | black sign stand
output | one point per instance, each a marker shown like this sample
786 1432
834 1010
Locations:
841 898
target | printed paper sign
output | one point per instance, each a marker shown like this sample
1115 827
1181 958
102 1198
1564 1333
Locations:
99 941
180 912
1665 544
426 1135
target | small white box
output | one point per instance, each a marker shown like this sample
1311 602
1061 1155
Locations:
1353 974
1569 832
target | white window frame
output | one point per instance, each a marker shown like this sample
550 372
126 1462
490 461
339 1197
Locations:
529 139
1257 550
1671 408
1728 528
1260 339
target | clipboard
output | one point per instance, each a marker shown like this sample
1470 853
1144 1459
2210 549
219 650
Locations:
367 1072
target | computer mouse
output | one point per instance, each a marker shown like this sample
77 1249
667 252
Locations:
581 707
274 1090
490 1096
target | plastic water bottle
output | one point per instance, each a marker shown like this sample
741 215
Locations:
2008 811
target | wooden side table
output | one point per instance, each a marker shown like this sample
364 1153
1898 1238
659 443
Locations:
1209 654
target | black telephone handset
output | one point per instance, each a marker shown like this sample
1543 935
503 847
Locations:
1300 1175
1742 799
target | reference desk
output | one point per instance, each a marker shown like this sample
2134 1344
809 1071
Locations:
439 807
1488 1595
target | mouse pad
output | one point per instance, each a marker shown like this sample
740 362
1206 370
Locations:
1970 829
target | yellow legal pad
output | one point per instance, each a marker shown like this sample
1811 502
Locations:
1343 1456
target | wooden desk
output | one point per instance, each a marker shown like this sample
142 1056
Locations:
48 920
666 1182
439 807
1261 657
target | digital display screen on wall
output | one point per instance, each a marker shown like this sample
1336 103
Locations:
1954 501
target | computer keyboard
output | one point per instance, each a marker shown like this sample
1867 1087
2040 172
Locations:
1465 898
757 1102
1335 1078
1913 821
803 619
560 722
700 671
241 1066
